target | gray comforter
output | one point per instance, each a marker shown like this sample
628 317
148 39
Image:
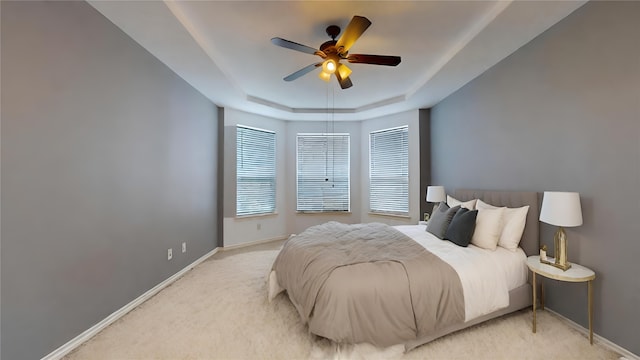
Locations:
368 283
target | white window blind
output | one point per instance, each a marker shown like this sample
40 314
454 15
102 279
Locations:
255 171
389 171
323 172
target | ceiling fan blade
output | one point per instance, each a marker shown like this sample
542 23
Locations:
345 83
374 59
293 45
356 27
302 71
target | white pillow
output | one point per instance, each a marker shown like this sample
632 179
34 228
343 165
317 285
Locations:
513 225
452 202
488 228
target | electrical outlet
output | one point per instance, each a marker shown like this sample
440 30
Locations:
184 247
259 226
169 254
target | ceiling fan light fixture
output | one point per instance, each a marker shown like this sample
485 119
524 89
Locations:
329 66
324 76
344 71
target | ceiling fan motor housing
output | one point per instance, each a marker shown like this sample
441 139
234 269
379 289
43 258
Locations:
329 47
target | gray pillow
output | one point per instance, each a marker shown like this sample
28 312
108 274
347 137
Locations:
440 219
461 227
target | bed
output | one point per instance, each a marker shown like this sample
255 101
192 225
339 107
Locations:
388 285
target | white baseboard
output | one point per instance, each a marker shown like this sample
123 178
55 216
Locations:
251 243
597 338
89 333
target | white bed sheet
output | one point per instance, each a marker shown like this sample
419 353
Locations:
486 276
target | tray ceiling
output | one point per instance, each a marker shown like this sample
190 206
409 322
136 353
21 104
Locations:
223 49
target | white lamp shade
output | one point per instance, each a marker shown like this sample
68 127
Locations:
436 194
561 209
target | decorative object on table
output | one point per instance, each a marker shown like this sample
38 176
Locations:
543 253
561 209
435 194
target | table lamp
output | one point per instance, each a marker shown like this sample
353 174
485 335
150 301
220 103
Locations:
561 209
435 194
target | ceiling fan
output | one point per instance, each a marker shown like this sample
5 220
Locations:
333 51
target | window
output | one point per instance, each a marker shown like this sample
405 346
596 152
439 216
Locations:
323 172
389 171
255 171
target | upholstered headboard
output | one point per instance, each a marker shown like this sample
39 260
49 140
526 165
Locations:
530 242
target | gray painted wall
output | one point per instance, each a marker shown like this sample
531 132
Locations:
108 160
425 159
563 113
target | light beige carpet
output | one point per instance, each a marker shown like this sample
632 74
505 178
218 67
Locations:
219 310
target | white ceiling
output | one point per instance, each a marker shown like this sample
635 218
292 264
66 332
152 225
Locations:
223 49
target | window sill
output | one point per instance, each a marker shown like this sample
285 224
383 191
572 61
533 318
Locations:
390 215
245 217
323 212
